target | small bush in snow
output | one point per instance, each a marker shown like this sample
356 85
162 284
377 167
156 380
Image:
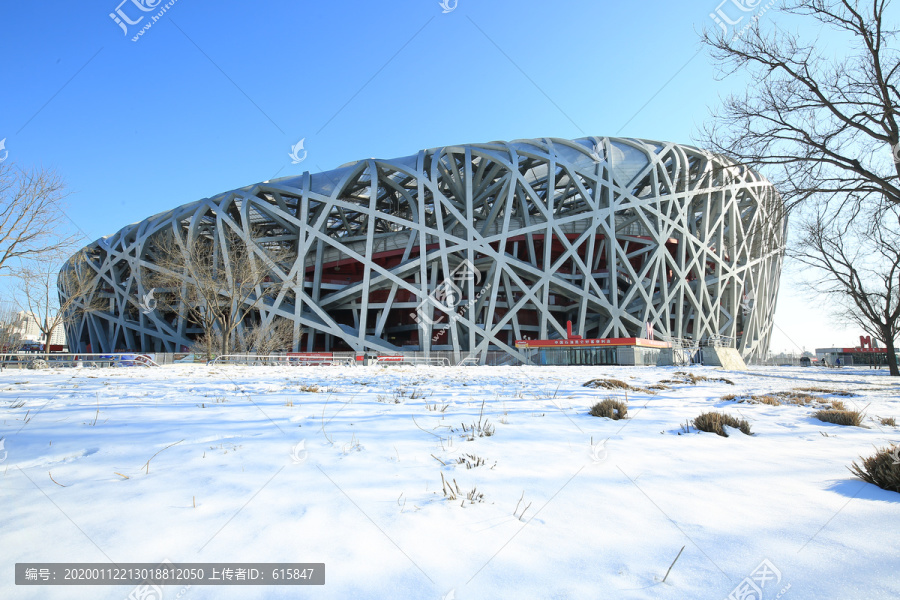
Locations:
752 399
611 409
840 417
821 390
608 384
882 469
714 422
796 397
693 379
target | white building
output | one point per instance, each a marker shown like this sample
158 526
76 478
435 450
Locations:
27 328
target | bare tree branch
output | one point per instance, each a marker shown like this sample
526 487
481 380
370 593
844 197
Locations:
31 215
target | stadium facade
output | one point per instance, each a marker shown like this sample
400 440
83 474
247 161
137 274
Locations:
469 248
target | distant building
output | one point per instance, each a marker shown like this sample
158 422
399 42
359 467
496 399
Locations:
866 354
27 329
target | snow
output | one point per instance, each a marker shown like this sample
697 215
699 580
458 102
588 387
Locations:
348 477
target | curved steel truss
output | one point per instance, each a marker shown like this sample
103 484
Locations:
468 248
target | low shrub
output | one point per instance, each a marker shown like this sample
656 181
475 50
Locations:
797 397
611 409
608 384
692 379
821 390
752 399
881 469
714 422
840 417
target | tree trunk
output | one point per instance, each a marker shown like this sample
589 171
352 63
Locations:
47 343
891 355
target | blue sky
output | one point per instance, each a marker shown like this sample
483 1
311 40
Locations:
214 94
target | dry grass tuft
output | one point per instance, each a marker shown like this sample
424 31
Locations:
714 422
691 379
837 405
608 384
796 397
310 388
821 390
881 469
840 417
752 399
889 421
611 409
659 387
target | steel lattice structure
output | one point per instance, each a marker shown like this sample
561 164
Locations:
609 233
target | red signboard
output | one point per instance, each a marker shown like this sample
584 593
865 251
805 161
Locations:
390 359
591 343
855 350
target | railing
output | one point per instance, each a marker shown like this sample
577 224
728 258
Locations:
414 360
281 360
40 360
720 341
473 361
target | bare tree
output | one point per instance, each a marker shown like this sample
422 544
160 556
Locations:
267 337
859 268
56 297
823 127
31 215
220 279
10 337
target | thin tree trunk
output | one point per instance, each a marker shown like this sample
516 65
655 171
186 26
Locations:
891 356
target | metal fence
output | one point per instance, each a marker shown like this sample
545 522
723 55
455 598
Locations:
40 360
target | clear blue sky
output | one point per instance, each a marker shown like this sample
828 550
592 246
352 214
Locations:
214 94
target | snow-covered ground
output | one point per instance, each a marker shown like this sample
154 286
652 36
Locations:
350 476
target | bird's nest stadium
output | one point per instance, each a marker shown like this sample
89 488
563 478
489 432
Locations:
468 248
